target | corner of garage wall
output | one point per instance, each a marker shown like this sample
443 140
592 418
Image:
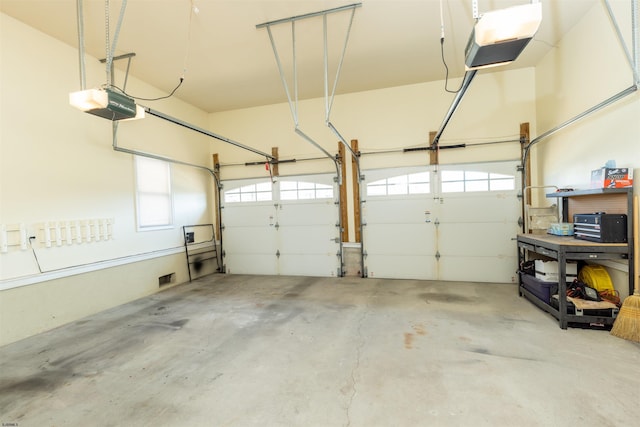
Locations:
39 307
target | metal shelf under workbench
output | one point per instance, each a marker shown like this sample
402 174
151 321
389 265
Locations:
563 249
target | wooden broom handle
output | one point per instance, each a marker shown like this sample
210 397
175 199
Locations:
636 248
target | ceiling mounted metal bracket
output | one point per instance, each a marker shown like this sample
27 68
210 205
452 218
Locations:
328 99
293 100
308 15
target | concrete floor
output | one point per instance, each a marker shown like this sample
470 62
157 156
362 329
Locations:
289 351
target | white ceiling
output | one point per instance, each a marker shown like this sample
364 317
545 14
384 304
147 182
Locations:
230 63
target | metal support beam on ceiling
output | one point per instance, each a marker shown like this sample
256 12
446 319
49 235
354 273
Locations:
206 132
308 15
468 78
293 101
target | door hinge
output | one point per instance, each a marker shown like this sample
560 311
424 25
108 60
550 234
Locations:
438 255
278 253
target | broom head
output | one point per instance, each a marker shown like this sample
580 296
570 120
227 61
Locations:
627 324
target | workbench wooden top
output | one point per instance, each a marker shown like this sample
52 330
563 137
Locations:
565 241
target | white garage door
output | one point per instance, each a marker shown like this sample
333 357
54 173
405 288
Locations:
288 227
454 224
399 241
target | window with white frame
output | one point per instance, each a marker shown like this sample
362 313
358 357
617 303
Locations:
259 192
459 181
153 193
415 183
300 190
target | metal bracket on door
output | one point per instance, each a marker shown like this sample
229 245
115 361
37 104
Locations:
277 226
438 255
278 253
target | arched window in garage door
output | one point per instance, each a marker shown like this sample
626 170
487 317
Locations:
413 183
258 192
459 181
301 190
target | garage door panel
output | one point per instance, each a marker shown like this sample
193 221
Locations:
391 266
395 211
400 239
300 231
315 239
249 240
491 238
321 265
322 212
249 263
307 233
499 269
244 215
463 226
485 207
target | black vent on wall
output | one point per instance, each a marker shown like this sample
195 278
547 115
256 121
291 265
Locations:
166 279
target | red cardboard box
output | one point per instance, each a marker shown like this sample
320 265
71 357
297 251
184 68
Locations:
612 178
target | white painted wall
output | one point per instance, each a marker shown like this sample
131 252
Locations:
587 67
57 164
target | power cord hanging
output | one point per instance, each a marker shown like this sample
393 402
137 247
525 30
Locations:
33 250
444 62
151 99
111 50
